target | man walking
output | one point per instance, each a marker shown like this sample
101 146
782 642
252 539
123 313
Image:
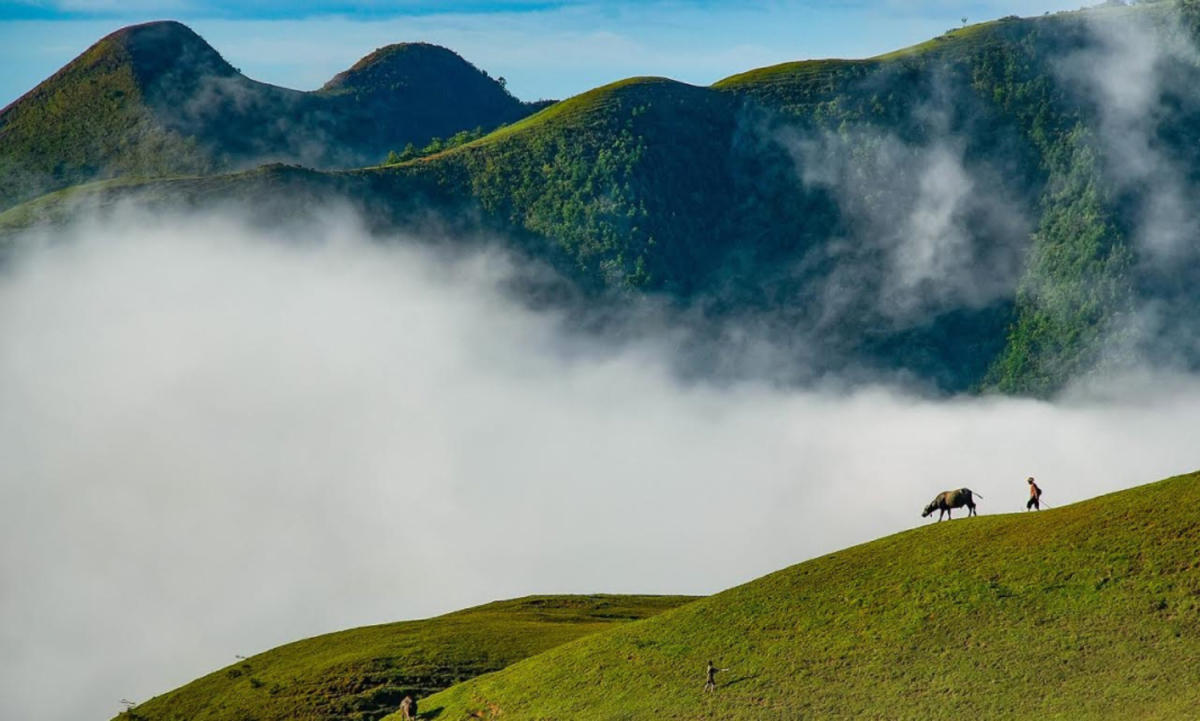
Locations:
1035 496
710 683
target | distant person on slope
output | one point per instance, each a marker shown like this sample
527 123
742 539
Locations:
408 707
1035 496
710 682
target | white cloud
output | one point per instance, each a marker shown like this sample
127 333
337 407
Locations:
1139 76
216 442
927 231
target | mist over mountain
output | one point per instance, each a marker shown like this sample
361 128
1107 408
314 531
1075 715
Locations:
157 100
1003 208
220 438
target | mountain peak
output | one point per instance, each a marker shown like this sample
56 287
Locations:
156 99
407 65
169 48
154 29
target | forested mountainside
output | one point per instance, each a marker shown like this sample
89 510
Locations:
1005 207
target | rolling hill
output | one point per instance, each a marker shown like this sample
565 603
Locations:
156 100
1090 611
959 212
363 673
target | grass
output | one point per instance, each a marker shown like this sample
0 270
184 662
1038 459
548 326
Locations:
261 189
954 41
1090 611
593 104
363 673
88 121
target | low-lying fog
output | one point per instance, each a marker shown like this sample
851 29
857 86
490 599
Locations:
214 442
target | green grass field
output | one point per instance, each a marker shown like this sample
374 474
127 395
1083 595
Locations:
1085 612
363 673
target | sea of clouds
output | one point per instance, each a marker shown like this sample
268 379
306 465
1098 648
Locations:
217 439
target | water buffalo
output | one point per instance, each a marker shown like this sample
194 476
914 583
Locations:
948 500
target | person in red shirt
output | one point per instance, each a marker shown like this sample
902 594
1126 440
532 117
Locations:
1035 496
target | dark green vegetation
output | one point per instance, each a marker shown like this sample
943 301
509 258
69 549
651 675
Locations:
963 212
1090 611
364 673
156 100
435 146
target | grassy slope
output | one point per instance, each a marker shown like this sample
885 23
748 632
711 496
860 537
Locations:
86 121
364 673
1090 611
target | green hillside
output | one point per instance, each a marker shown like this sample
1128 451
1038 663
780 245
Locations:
155 99
363 673
703 199
654 187
1090 611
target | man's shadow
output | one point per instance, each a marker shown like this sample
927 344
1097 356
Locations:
737 680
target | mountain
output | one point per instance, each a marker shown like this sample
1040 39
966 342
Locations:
1001 209
1082 612
364 673
157 100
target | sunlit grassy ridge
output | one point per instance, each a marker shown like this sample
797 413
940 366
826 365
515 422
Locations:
1090 611
363 673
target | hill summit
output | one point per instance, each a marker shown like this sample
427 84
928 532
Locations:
363 673
405 65
1090 611
414 91
156 100
169 51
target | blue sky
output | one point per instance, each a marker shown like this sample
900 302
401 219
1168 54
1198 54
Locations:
544 48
